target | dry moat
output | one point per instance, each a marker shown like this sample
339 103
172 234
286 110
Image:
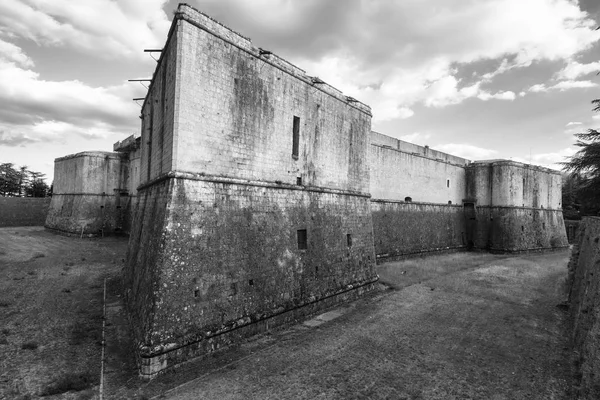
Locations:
455 326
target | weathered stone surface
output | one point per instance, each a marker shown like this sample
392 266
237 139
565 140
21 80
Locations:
411 228
517 206
95 192
23 211
254 205
238 229
86 193
584 299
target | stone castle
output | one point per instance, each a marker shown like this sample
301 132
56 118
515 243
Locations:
262 196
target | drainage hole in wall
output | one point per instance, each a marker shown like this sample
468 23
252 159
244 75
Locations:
251 282
196 293
302 239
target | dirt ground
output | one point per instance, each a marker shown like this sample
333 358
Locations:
458 326
51 292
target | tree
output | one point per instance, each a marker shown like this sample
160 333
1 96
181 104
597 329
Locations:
19 181
9 180
584 167
23 179
37 186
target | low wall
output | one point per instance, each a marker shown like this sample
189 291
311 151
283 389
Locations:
401 228
516 229
87 214
23 211
572 228
584 299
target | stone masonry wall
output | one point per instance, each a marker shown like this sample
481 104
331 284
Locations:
396 174
516 207
260 206
241 124
86 193
584 301
231 256
158 115
23 211
512 229
401 228
432 217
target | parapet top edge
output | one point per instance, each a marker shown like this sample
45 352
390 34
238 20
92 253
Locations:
191 14
449 162
214 20
97 154
481 163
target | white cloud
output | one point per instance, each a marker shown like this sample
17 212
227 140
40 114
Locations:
562 86
11 53
565 85
596 117
540 87
467 151
416 138
551 160
37 110
98 27
574 70
445 92
579 127
434 38
502 95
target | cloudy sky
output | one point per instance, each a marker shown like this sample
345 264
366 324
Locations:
477 78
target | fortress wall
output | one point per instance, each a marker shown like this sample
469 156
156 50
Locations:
23 211
427 223
130 148
410 228
512 229
584 307
241 124
396 175
129 203
411 148
86 193
508 183
158 116
517 206
230 258
243 230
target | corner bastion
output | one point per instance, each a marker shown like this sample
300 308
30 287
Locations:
512 207
253 205
94 192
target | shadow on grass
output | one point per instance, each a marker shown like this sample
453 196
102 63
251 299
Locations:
70 383
85 332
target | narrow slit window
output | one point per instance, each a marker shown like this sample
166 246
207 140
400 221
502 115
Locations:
302 239
349 240
447 182
296 137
